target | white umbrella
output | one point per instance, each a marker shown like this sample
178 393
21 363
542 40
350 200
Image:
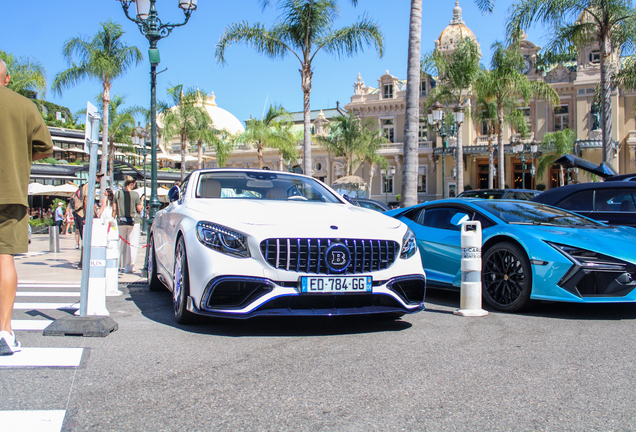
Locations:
66 190
39 189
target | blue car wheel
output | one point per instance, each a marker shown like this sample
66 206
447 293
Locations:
506 277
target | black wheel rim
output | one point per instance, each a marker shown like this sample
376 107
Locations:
504 279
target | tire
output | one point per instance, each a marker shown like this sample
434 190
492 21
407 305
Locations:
181 285
506 277
154 284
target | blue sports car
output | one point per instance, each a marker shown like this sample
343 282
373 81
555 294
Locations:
530 251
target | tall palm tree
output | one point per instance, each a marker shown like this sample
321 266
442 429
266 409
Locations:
267 133
120 126
27 73
224 147
412 119
104 57
372 141
304 29
181 116
505 85
610 23
456 75
486 112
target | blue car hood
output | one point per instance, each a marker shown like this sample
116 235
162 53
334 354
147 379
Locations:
615 241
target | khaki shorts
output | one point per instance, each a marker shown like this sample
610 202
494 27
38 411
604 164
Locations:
14 231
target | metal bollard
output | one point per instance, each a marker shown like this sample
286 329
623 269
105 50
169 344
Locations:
54 239
470 302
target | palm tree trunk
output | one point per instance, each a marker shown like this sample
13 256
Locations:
259 153
491 164
606 100
280 161
183 154
200 154
500 147
371 170
410 149
106 104
347 163
561 176
306 74
459 188
111 159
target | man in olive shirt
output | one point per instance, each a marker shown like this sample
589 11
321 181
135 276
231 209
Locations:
23 138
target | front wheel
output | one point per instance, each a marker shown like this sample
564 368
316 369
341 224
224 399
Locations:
181 285
154 284
506 277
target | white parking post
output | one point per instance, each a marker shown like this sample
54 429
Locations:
96 303
470 302
112 255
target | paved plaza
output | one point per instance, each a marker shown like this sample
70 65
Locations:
558 367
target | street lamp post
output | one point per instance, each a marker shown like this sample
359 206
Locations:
390 171
154 30
520 149
437 119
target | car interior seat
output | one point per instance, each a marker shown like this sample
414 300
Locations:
627 205
210 188
276 194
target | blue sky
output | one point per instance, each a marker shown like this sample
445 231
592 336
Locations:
248 82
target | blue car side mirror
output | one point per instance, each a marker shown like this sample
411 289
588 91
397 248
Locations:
173 193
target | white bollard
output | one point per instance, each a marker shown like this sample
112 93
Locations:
112 255
470 302
96 303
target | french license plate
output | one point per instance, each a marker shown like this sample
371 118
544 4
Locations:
336 284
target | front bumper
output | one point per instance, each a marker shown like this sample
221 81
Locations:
247 297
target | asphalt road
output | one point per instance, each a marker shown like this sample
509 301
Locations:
559 367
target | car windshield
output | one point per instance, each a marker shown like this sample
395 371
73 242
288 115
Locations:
262 185
530 213
482 194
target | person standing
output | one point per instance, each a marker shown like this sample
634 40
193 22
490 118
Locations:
59 216
24 138
128 205
68 220
79 214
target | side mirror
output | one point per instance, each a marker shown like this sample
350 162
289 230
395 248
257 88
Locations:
173 193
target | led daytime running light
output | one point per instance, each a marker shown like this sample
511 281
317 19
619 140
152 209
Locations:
409 245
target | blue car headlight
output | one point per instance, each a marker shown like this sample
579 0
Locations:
409 245
223 239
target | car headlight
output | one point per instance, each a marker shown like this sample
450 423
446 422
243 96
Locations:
588 259
409 245
223 239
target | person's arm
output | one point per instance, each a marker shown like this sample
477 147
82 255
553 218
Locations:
102 207
38 156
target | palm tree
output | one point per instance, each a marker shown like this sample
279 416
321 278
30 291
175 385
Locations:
267 132
120 127
372 141
610 23
304 29
456 75
505 85
344 140
224 147
27 74
412 118
486 112
553 146
105 57
183 116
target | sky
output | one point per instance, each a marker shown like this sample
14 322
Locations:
249 82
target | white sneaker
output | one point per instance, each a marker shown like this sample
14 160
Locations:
8 343
129 269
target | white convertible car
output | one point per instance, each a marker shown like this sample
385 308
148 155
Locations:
244 243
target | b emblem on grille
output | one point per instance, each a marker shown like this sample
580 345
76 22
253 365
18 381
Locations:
337 258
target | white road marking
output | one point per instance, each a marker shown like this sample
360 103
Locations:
34 324
47 294
48 285
43 357
58 306
32 421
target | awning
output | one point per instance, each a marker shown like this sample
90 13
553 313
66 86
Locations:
603 170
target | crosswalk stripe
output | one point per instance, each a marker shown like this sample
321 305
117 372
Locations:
43 357
32 421
49 285
26 325
58 306
47 294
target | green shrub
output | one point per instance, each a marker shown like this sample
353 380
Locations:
540 187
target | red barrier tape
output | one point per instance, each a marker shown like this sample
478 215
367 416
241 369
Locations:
140 247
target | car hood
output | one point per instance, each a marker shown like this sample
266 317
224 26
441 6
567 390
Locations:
305 219
615 241
604 170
